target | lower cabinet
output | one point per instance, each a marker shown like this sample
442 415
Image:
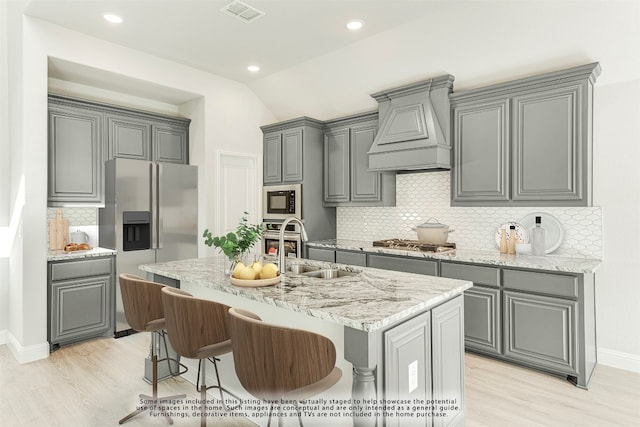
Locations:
81 295
540 330
424 360
318 254
482 319
404 264
351 258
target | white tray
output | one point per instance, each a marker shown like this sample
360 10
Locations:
553 229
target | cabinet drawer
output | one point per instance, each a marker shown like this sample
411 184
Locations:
351 258
405 265
317 254
479 275
81 268
541 283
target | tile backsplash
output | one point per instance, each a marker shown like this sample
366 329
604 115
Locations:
420 196
80 219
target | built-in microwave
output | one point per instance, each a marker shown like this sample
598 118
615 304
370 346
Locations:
281 201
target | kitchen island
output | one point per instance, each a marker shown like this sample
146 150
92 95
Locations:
401 334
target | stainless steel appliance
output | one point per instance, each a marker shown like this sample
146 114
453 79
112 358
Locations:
281 201
292 240
150 215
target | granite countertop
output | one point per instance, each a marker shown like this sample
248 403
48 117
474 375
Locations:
547 262
92 253
368 301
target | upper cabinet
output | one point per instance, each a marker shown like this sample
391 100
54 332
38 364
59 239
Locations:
84 134
347 178
526 142
74 155
285 150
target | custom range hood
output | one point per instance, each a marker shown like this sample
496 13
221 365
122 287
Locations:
414 127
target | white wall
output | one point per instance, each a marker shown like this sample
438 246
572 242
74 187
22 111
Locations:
5 174
226 115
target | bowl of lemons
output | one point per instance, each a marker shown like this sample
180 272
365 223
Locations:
255 275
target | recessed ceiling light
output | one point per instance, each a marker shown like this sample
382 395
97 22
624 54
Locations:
355 24
253 68
114 19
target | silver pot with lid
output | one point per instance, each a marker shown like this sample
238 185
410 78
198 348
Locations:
432 232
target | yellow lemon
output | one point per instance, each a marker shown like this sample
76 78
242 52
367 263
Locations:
239 266
257 267
246 273
269 271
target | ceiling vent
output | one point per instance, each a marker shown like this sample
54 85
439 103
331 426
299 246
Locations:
242 11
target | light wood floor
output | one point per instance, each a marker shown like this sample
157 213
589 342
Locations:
97 383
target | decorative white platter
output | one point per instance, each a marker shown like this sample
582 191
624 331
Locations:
522 235
553 229
254 283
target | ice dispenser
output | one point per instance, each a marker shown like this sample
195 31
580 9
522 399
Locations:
136 233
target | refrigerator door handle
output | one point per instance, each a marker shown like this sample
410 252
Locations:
159 203
153 175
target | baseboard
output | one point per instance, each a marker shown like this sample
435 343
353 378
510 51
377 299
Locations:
618 359
26 354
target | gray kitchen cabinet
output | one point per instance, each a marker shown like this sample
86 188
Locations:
404 264
84 134
525 143
75 159
540 330
447 325
283 153
481 164
320 254
347 178
408 367
351 258
128 137
549 322
81 298
482 305
170 143
424 359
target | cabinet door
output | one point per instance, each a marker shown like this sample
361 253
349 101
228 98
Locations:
365 185
481 140
336 166
272 158
80 309
447 342
406 265
548 158
128 138
482 320
292 155
169 144
540 330
407 370
75 156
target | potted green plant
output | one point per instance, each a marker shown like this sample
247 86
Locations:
235 244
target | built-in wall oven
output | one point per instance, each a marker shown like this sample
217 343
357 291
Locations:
281 201
271 240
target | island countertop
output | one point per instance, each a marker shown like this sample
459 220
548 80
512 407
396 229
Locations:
368 301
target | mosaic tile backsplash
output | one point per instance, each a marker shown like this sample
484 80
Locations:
80 219
420 196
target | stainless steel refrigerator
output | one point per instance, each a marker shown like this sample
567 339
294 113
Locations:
150 215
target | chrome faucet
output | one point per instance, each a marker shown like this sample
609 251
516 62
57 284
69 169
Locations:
281 252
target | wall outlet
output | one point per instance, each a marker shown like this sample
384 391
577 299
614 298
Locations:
413 375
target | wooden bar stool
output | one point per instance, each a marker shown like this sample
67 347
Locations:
142 302
275 362
197 329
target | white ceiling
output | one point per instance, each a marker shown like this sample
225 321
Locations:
311 65
198 34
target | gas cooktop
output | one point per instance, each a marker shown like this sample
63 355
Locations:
414 245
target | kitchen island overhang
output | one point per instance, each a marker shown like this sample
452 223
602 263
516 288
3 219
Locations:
384 317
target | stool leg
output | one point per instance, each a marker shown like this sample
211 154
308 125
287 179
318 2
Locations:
203 393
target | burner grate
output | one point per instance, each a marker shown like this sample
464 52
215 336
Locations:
413 245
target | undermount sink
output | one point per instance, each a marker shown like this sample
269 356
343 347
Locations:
329 273
302 268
